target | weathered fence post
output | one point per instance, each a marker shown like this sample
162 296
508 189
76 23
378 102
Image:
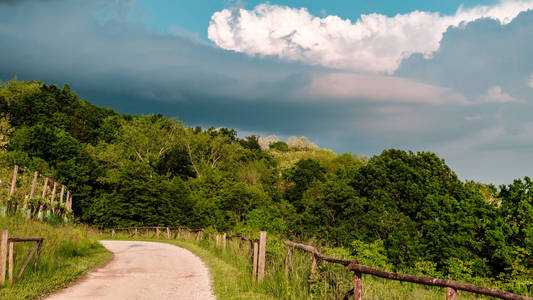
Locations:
112 232
136 232
33 186
70 203
157 232
45 186
52 199
3 256
188 234
217 241
37 256
14 181
43 196
66 200
255 258
262 254
62 194
313 276
168 233
451 294
288 262
357 286
224 241
11 261
12 190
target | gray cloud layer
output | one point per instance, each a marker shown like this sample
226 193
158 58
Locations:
115 61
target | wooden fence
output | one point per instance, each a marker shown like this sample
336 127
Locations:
257 252
358 269
9 262
51 188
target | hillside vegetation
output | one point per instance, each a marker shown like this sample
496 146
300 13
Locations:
399 210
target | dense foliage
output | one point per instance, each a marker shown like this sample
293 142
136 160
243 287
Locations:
408 209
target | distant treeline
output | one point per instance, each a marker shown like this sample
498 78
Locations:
399 210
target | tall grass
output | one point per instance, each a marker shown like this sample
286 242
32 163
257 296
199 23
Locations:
68 251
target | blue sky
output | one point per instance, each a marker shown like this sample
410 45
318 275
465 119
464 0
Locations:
450 77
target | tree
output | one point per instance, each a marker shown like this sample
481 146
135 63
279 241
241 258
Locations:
302 176
149 138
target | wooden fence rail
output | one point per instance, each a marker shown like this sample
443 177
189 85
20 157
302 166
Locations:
358 269
9 262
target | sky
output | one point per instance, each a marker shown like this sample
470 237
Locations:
450 77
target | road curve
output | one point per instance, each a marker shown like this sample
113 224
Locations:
144 270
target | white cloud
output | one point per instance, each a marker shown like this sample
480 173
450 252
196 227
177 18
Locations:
373 43
360 87
531 81
495 94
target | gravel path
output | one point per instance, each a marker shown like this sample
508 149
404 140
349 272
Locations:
144 270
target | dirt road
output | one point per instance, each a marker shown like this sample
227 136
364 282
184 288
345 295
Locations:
144 270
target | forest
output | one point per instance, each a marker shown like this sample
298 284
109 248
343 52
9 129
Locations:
405 211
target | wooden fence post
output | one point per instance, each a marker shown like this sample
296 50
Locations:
313 276
43 196
288 262
11 261
217 241
52 199
45 186
37 256
451 294
255 257
136 232
157 232
70 203
14 181
3 256
357 286
188 234
62 194
168 233
112 232
66 200
13 186
33 186
262 255
224 241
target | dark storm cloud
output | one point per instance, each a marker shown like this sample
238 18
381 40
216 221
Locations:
114 61
474 59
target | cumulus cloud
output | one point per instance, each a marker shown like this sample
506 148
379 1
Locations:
373 43
495 94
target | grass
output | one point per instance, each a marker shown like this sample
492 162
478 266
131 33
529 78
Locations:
68 252
231 275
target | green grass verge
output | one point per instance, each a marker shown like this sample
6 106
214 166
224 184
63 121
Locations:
229 281
68 252
231 275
